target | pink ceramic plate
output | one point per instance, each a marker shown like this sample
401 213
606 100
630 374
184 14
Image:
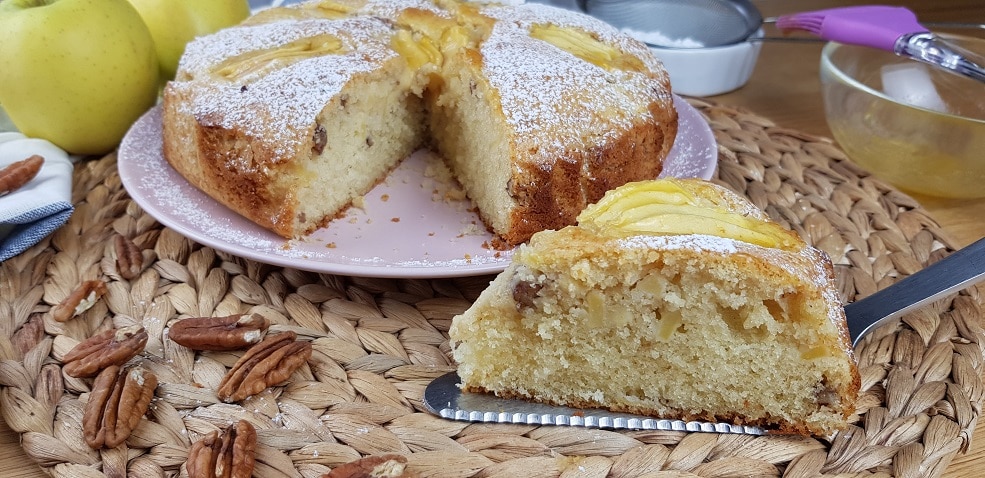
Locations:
405 228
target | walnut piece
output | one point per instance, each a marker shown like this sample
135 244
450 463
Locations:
229 454
232 332
116 404
80 300
112 347
379 466
524 294
319 139
15 175
266 364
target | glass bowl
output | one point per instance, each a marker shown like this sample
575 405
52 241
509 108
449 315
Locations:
919 128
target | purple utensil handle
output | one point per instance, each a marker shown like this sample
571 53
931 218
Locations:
872 26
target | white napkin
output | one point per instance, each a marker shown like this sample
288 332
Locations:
30 213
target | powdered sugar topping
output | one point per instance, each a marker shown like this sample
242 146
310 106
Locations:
692 242
547 90
542 88
279 108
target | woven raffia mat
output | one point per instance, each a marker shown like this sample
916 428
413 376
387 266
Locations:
377 343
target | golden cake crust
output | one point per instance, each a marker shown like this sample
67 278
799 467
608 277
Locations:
552 197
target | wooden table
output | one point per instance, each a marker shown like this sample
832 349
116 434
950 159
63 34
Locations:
784 88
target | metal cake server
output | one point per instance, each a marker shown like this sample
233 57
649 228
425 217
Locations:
961 269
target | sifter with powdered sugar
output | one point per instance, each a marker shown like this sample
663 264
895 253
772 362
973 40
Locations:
704 44
676 24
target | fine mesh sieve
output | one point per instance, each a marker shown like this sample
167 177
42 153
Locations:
708 22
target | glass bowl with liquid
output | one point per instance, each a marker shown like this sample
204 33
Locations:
920 128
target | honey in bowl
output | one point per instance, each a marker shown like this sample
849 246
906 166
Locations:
917 127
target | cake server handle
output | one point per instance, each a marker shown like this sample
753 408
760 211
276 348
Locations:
961 269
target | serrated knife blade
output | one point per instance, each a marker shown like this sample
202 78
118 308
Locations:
963 268
444 398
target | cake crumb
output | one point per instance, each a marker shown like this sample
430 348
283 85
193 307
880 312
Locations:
331 245
499 244
394 219
445 187
455 194
471 229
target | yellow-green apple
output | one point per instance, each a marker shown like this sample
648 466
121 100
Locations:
75 72
174 23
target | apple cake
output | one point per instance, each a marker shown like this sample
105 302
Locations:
300 110
670 298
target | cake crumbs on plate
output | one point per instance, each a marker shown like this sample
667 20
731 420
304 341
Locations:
359 202
498 244
445 187
471 229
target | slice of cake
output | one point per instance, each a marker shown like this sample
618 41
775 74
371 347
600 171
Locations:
671 298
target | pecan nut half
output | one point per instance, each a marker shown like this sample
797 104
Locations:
16 175
116 404
80 300
380 466
229 454
112 347
232 332
129 258
266 364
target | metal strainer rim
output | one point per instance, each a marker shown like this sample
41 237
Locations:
753 19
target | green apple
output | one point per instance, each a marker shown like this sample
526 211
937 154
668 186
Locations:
174 23
75 72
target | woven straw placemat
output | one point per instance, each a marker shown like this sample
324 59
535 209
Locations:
378 342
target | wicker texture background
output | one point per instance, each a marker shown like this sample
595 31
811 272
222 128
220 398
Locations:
378 342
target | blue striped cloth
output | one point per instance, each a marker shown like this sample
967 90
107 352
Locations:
34 211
